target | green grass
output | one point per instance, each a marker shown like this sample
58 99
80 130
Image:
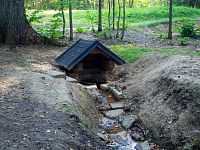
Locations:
131 53
150 16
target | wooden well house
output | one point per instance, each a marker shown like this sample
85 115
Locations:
88 61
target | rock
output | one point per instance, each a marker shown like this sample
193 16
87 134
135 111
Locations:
104 107
91 87
104 86
128 121
143 146
95 94
119 105
107 123
102 99
121 138
116 93
72 80
114 113
137 134
56 74
102 137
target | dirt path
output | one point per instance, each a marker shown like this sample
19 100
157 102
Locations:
28 119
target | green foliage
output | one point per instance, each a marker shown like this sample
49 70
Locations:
183 40
80 30
186 28
34 16
92 18
53 27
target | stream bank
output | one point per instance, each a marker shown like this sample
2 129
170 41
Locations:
119 129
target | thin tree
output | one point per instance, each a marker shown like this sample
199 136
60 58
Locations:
100 16
109 13
70 22
63 16
132 3
113 2
170 20
118 21
124 19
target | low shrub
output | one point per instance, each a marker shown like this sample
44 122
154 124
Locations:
187 28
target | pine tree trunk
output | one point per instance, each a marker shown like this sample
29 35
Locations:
118 21
100 16
113 2
70 21
170 20
124 19
63 17
14 27
109 13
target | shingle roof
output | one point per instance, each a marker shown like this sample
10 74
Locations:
80 50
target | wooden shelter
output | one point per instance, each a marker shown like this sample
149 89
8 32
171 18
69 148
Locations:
88 61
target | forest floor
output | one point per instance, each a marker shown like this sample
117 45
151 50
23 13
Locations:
29 115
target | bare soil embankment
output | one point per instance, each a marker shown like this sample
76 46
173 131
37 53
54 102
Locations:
41 112
165 92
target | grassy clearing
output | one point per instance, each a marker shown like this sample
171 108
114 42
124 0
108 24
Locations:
150 16
132 53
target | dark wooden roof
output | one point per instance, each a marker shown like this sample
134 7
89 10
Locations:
80 50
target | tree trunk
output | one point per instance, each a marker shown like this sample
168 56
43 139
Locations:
132 3
63 17
113 14
170 20
118 21
70 21
124 19
14 27
100 16
109 12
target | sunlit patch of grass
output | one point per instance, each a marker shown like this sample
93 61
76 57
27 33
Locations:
131 53
151 16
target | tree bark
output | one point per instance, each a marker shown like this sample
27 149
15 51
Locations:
14 27
100 16
63 17
71 37
113 2
109 13
124 19
118 21
170 20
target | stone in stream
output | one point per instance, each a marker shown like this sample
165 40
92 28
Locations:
118 105
107 123
56 74
93 91
128 121
121 138
118 94
102 137
113 113
143 146
104 87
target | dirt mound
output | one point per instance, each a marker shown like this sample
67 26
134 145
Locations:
40 112
166 94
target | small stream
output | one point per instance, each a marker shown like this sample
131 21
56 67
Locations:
120 129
